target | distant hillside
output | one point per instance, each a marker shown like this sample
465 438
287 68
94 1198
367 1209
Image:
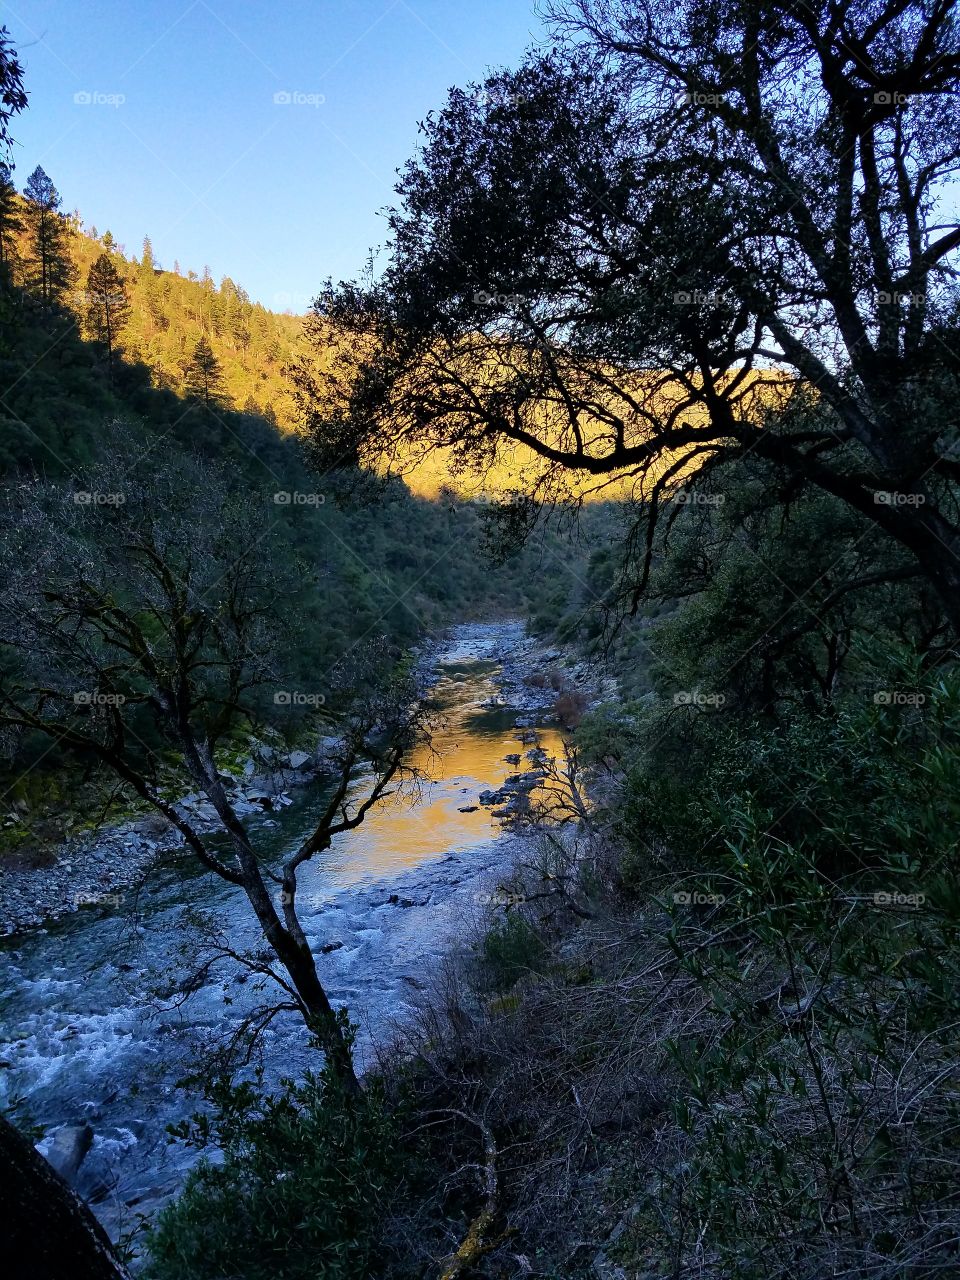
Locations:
171 310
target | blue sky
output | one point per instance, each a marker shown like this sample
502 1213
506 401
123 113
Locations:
159 117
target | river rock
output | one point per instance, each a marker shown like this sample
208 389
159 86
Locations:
298 760
68 1148
154 824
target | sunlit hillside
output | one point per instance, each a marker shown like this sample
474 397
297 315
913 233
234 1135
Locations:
171 309
579 408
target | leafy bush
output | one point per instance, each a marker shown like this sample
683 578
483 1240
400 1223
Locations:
815 912
307 1181
511 948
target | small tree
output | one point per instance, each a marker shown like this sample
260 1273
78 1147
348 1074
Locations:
107 306
51 269
152 614
204 380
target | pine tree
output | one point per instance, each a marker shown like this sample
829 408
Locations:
147 259
204 380
107 306
11 220
51 269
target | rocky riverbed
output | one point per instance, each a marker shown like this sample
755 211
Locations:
101 867
102 1010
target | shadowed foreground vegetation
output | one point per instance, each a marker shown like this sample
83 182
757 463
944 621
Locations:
708 1026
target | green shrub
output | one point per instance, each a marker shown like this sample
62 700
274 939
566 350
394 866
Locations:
816 1108
511 948
307 1179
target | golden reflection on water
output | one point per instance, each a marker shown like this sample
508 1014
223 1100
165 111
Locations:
467 757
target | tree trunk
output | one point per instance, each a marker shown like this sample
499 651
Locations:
322 1020
48 1232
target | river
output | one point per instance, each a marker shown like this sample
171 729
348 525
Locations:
97 1028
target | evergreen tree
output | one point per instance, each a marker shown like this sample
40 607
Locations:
147 259
52 271
107 305
204 380
11 220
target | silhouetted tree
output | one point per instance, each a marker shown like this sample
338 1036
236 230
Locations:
204 380
51 268
622 257
107 306
13 97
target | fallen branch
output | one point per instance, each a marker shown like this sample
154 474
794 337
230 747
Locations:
475 1244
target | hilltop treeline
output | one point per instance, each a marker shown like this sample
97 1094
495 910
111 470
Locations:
166 312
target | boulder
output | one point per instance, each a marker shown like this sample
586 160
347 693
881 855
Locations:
298 760
68 1148
154 824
